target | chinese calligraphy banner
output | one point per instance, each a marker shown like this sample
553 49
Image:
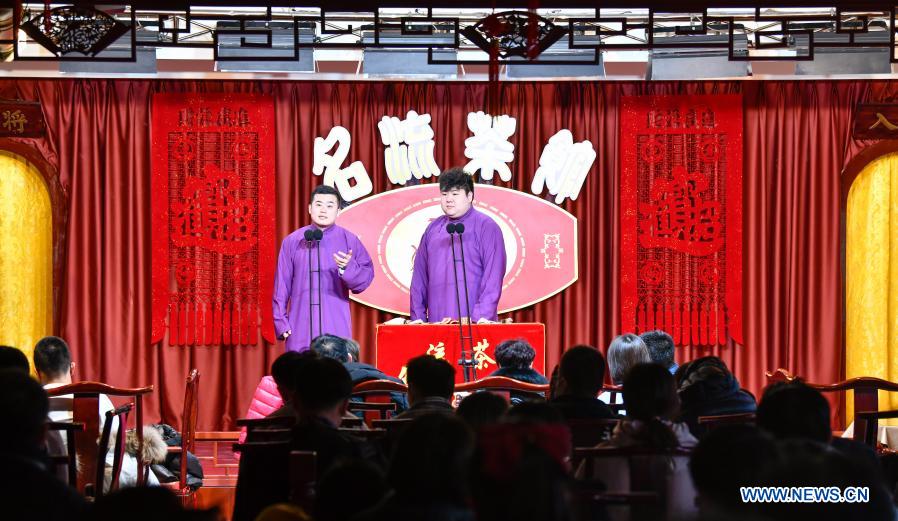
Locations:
395 345
681 217
213 218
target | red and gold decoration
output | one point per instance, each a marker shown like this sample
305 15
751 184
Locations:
396 344
213 218
681 217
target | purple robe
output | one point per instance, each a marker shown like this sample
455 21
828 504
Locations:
292 284
432 294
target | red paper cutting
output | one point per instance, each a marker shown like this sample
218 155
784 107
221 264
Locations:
213 218
681 217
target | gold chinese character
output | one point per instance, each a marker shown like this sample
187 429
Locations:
14 121
437 351
480 355
882 120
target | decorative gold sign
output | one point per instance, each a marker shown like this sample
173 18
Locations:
21 119
876 121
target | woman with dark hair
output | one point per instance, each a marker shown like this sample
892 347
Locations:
708 388
515 359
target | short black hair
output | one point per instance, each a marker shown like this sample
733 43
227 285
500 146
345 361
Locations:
794 410
661 347
583 370
431 376
283 369
481 408
331 346
23 406
650 392
516 354
12 358
321 384
456 178
326 190
52 356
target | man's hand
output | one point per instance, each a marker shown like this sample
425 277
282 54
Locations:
342 259
484 320
446 320
416 321
285 334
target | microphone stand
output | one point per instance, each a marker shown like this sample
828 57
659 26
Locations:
467 367
467 356
313 237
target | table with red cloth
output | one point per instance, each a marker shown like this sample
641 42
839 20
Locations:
396 344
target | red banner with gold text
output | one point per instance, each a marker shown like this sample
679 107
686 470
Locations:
213 218
681 217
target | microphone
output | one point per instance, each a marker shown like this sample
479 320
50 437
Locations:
313 237
451 227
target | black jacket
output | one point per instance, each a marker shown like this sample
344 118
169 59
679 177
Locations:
360 372
707 388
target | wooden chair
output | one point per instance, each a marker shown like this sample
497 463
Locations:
502 383
589 433
85 406
352 423
303 479
866 394
263 477
68 459
393 425
653 483
377 395
119 417
270 421
615 397
871 424
712 422
188 437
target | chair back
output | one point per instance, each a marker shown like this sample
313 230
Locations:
713 422
589 433
634 470
116 419
502 383
376 398
303 479
188 423
85 407
615 397
866 394
263 477
67 460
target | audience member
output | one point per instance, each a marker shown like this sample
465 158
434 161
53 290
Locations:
27 489
805 463
347 489
274 394
708 388
652 403
483 408
534 412
661 349
515 360
340 349
323 388
431 383
580 376
727 458
12 358
429 472
795 411
521 472
624 352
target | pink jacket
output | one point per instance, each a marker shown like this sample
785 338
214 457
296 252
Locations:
265 401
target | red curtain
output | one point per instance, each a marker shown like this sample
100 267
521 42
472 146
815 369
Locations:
797 138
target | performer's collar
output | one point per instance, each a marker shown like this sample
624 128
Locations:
463 216
323 230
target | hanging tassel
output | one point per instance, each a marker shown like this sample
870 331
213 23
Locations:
250 337
686 331
182 318
190 324
173 324
640 318
703 324
235 324
668 317
694 320
721 324
226 324
677 321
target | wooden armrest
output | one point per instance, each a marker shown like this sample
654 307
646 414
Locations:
174 449
65 426
371 406
877 415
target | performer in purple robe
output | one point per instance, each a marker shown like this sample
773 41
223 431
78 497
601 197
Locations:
345 266
433 297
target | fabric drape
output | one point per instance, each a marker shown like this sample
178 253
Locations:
796 141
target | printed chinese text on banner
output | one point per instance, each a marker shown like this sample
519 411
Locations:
213 218
681 217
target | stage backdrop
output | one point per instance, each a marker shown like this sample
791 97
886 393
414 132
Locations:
796 140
